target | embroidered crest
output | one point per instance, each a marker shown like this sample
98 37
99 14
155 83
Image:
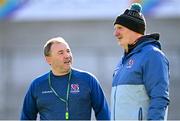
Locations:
75 88
130 63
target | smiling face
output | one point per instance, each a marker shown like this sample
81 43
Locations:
60 58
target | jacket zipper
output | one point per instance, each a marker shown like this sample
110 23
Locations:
114 102
140 114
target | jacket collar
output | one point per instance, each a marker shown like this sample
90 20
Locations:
144 40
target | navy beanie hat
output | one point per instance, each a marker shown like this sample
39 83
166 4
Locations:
133 19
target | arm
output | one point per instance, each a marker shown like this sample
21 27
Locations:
98 101
29 110
156 79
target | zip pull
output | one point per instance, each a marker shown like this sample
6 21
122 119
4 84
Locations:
67 115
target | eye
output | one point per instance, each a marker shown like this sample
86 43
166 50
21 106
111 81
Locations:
68 51
60 52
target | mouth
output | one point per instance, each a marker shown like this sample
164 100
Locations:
119 37
67 62
119 40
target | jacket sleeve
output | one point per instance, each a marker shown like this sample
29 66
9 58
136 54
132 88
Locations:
29 110
156 79
98 100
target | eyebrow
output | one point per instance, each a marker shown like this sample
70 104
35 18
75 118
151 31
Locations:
64 50
60 51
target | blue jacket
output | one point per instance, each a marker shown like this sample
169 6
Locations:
140 88
85 93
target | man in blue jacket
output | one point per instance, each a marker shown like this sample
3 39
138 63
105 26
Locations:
140 89
64 93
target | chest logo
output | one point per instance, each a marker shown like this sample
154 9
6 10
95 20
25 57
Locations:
74 88
130 63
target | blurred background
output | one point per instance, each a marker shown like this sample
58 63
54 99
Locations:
87 25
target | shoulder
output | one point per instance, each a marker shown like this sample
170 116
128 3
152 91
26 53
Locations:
39 80
154 51
37 84
82 73
154 55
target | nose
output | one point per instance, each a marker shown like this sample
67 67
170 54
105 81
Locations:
115 33
67 55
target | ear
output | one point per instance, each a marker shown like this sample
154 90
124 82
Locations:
48 59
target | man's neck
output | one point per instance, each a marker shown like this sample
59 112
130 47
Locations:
60 73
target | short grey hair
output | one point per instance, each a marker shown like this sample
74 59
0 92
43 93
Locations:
49 43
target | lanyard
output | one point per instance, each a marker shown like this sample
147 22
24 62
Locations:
67 93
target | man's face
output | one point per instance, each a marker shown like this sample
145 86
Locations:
122 35
60 58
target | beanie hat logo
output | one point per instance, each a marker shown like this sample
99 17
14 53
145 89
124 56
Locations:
132 13
133 19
